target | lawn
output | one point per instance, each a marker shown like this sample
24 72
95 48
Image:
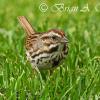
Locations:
78 77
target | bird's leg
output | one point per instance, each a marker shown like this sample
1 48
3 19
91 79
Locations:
41 80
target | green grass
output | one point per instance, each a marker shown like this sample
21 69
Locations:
78 78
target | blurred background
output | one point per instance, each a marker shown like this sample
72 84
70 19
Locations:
78 77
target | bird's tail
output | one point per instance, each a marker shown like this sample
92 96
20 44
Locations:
26 25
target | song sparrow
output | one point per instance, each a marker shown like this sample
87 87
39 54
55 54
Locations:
44 50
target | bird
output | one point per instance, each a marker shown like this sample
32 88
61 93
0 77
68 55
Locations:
44 50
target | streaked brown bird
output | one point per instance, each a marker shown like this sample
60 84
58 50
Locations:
44 50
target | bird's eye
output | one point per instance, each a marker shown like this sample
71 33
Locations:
54 37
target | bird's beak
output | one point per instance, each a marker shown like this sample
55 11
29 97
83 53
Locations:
64 40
